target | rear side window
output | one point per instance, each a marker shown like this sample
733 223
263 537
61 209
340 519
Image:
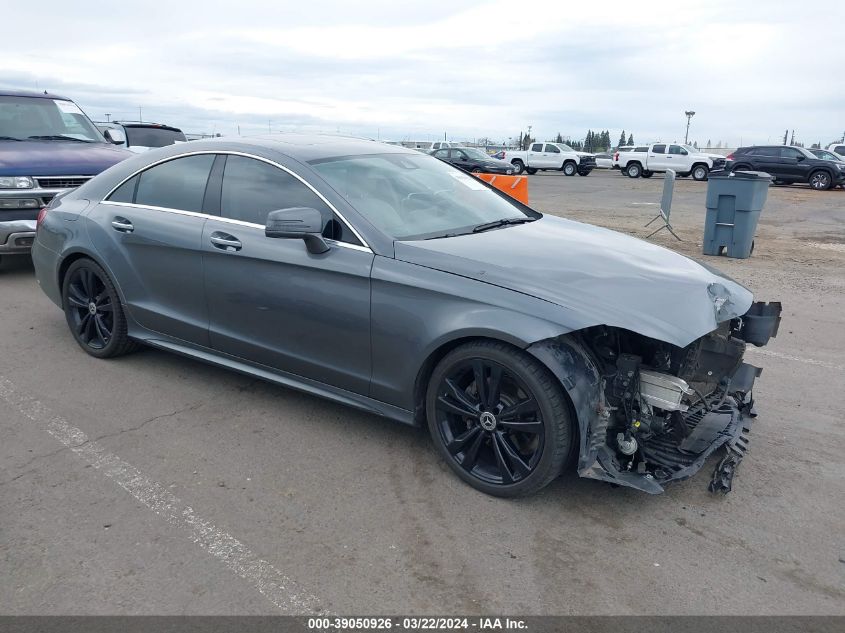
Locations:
839 149
126 191
441 153
152 136
789 152
176 184
640 149
253 188
772 152
537 148
658 149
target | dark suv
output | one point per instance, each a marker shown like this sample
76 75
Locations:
788 165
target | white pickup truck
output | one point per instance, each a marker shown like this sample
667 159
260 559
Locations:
645 160
543 156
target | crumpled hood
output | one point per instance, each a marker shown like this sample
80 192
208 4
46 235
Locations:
57 158
596 275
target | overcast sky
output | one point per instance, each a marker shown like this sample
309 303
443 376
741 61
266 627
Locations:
416 70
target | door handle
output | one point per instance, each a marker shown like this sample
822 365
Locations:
225 242
122 225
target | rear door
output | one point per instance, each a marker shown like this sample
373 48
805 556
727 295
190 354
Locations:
657 158
271 301
149 230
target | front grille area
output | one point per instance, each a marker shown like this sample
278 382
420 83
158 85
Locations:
62 182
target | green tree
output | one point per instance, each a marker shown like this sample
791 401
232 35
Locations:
621 139
630 139
558 138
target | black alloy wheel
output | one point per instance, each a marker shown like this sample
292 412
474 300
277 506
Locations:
93 311
499 418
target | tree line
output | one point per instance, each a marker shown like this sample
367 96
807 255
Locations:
593 142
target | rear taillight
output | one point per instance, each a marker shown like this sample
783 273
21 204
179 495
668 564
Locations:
41 215
729 156
616 156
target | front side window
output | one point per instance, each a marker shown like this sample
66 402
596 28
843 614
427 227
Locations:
176 184
658 149
441 153
839 149
253 188
677 149
414 197
552 149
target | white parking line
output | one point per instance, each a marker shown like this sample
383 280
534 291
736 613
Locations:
799 359
272 583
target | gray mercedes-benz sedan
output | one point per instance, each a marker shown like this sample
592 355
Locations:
388 280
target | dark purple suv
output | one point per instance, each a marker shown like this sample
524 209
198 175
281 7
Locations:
47 146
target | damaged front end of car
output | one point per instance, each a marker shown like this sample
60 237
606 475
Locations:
650 412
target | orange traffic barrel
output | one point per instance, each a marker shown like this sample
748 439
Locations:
514 186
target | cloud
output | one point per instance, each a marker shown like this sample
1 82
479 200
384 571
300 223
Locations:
420 70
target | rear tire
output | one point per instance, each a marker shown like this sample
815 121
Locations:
569 168
634 170
93 311
476 170
498 418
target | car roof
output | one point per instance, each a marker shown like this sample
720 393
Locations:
307 147
31 93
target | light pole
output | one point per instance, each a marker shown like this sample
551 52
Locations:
690 114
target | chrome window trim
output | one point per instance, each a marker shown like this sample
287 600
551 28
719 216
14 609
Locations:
207 216
245 155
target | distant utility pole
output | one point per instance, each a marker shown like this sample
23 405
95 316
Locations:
792 140
108 117
785 135
690 114
269 131
140 118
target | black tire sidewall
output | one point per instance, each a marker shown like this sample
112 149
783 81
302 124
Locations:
558 437
118 323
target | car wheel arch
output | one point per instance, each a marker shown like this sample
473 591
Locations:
71 256
441 348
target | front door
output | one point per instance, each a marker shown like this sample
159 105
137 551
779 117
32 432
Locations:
272 302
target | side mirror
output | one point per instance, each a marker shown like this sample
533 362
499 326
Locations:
303 223
117 137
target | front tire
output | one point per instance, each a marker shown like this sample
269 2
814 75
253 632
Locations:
518 167
820 180
530 170
569 169
93 311
699 172
647 174
499 418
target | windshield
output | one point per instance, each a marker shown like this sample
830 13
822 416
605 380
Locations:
414 197
45 119
477 154
152 136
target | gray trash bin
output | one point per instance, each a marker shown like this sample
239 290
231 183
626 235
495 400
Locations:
734 202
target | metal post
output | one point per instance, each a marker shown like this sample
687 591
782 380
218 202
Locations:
690 114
